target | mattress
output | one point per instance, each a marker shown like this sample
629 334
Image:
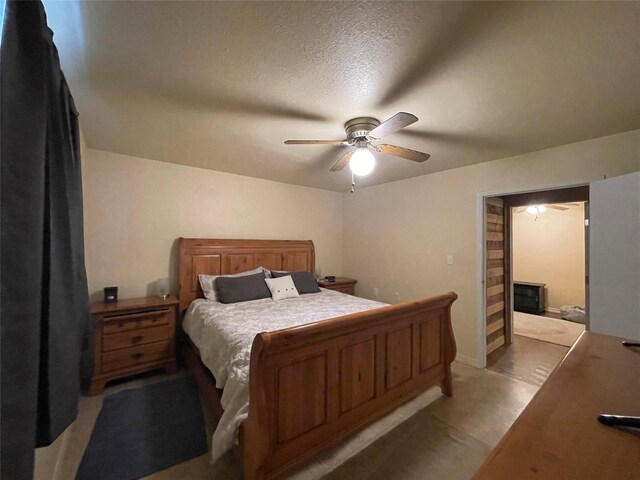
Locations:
224 333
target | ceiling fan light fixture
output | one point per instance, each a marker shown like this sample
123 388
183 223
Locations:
532 209
362 162
360 132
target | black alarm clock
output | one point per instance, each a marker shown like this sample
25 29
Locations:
110 294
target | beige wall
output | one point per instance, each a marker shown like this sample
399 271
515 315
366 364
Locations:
135 209
549 248
396 236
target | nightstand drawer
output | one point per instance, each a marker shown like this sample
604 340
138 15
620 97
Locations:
128 357
132 338
130 321
161 317
118 324
341 284
349 290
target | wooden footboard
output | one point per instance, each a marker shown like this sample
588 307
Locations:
312 385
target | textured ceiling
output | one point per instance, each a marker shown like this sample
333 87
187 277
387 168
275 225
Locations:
221 85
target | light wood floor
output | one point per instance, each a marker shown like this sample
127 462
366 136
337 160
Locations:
527 359
431 437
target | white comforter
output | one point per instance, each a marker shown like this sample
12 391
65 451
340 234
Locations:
224 335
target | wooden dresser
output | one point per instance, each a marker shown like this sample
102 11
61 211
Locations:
133 336
341 284
557 436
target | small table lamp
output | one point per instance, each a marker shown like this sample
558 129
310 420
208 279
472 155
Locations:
162 284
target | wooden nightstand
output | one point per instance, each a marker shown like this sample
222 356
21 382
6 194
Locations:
341 284
133 336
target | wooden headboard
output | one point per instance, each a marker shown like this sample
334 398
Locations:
223 257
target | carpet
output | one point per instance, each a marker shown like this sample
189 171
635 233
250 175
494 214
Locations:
546 329
144 430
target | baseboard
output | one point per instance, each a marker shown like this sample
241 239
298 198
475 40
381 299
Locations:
48 460
553 310
468 360
63 450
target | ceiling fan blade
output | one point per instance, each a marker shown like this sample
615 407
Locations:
395 123
448 40
340 164
557 207
403 152
315 142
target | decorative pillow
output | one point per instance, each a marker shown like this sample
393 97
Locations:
207 282
304 281
241 289
282 287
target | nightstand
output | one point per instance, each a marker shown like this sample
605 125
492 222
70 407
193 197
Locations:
133 336
341 284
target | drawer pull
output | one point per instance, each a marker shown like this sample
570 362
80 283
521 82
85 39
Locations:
137 338
137 356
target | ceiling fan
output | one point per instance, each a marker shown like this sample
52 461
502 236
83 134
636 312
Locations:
541 208
361 132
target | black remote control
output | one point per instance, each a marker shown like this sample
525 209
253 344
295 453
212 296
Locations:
619 420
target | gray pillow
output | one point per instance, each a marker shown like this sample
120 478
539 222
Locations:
304 281
207 282
241 289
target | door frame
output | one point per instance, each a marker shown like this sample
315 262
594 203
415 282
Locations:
481 253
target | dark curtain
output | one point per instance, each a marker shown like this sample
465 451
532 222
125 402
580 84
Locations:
44 322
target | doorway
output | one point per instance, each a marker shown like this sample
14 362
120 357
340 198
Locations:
536 266
548 271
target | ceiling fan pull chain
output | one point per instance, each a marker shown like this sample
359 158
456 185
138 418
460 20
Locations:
353 183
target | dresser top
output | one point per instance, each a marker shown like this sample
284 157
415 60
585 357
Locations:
558 436
133 303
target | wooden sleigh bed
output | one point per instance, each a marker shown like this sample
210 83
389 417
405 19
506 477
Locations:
313 385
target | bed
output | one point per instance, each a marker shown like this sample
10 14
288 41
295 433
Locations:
355 367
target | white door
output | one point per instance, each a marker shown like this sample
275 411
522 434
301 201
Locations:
614 256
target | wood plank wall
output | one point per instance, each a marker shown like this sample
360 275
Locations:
496 274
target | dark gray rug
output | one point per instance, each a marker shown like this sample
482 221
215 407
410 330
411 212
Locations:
145 430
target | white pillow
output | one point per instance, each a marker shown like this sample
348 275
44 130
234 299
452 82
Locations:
282 287
207 282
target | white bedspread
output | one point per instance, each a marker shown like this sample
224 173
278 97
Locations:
224 335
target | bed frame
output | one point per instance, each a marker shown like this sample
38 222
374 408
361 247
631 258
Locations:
313 385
